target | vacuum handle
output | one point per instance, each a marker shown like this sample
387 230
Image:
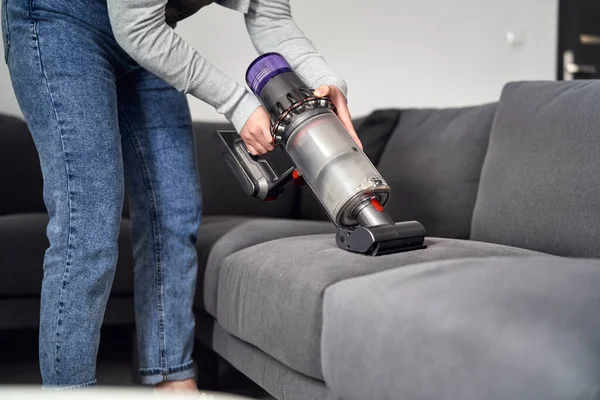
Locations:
254 173
278 184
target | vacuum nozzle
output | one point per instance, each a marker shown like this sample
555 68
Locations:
382 239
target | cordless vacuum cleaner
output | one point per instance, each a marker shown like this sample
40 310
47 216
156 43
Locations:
324 156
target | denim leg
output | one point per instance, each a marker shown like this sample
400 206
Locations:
165 201
67 92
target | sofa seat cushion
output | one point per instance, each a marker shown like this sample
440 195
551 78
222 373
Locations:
213 228
494 329
23 244
271 295
248 233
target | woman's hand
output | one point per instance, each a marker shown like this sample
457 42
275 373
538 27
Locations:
256 133
339 101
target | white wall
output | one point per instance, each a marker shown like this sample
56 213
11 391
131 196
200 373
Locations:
393 52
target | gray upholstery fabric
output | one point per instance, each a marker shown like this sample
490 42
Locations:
211 230
433 162
277 379
248 234
23 243
375 130
20 172
493 329
270 295
540 184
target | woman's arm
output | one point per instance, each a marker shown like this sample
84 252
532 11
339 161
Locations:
272 29
140 29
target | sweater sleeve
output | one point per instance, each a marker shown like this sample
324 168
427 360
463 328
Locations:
272 29
140 28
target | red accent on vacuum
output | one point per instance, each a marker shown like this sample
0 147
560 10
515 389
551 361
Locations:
376 204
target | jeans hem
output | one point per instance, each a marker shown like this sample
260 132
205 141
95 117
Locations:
70 387
154 376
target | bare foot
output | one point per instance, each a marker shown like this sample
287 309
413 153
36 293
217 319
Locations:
189 385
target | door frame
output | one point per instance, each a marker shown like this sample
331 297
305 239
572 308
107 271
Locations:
563 17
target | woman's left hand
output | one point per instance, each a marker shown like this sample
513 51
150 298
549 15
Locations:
339 101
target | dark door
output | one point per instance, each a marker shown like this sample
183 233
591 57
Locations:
579 39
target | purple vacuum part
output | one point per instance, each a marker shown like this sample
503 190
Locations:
263 69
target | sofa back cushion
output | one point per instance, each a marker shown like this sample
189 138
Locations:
540 184
21 182
221 192
432 161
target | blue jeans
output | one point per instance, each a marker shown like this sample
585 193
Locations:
101 123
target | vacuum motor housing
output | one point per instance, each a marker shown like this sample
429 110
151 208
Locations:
342 178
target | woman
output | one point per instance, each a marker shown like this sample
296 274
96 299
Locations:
102 87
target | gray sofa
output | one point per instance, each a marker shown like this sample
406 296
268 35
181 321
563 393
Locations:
503 304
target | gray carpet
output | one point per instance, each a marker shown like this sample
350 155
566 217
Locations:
19 364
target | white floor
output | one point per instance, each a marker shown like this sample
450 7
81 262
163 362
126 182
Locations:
19 365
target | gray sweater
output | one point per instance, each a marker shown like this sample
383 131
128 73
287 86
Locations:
141 30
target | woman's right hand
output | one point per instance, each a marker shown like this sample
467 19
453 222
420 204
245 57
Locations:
256 132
